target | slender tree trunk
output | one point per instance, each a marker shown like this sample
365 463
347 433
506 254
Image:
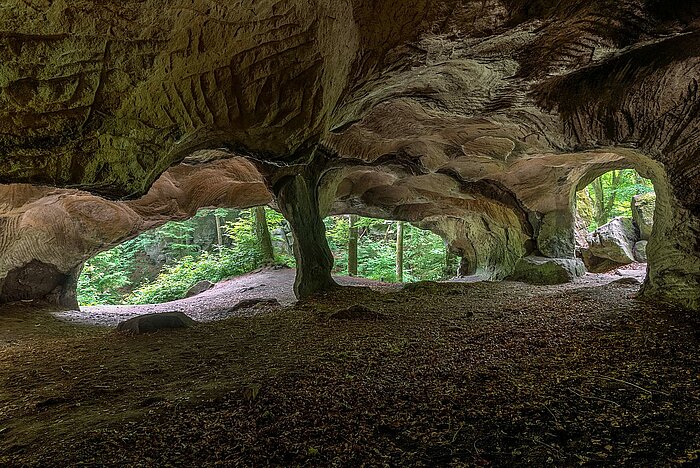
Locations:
219 232
263 234
599 213
612 195
352 246
399 252
448 270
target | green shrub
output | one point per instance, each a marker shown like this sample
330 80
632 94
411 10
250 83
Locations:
174 280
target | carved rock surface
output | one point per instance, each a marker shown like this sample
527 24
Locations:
479 118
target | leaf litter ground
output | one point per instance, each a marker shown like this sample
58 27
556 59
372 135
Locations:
483 374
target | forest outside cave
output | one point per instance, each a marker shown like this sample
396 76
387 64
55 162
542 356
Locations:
163 264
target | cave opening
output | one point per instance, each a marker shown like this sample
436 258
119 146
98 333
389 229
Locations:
183 258
614 221
480 122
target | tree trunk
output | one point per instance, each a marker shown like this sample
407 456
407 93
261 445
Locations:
263 234
399 252
352 246
612 193
599 213
219 233
298 199
448 270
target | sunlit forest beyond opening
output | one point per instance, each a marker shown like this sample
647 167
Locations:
610 196
162 264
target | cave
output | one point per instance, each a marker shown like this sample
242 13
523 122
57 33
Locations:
479 121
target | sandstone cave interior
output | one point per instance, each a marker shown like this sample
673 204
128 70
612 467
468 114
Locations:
350 233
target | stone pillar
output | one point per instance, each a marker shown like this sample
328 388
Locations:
556 236
673 252
41 282
298 199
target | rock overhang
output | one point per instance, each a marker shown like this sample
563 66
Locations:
462 110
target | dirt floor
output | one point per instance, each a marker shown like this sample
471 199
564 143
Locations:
217 303
451 374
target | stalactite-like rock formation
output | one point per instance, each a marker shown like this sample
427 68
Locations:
478 118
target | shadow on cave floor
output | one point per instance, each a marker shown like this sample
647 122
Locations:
450 373
222 300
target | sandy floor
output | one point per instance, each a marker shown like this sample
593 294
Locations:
214 304
218 302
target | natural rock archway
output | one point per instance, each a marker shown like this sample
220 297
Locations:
476 118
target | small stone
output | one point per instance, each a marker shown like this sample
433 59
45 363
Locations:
627 280
153 322
199 288
255 302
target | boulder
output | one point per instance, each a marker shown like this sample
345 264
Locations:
543 270
614 241
153 322
598 265
581 234
640 251
199 288
643 207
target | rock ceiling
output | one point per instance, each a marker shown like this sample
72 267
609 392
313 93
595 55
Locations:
477 118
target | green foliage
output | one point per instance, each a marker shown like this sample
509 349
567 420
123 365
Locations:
610 196
105 275
108 278
174 281
424 252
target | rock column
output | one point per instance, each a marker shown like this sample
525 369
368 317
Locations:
298 199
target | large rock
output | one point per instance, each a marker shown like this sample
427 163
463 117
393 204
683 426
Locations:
543 270
640 251
614 241
153 322
643 207
598 265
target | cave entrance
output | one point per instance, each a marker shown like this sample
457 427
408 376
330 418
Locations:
388 251
165 263
614 219
183 258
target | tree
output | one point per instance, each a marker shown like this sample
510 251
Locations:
610 194
262 232
399 252
352 245
219 231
